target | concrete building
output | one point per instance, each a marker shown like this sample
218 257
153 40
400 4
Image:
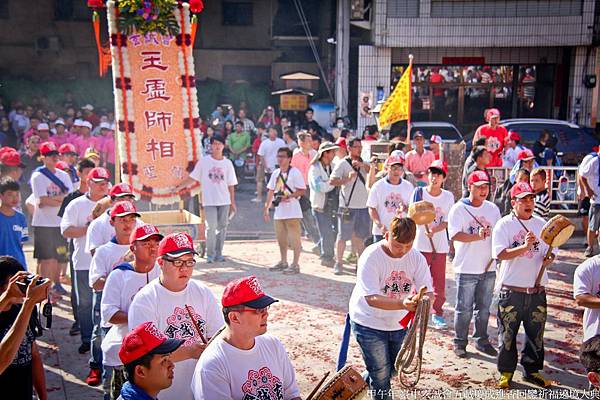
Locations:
529 58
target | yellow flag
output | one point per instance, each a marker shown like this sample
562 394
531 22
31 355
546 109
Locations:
397 106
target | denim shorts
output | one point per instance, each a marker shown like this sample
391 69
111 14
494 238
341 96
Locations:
358 223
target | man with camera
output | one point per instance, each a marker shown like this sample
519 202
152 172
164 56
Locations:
21 367
353 217
285 187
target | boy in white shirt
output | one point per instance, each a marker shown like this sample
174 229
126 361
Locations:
180 307
244 362
433 242
586 291
125 280
218 196
389 197
470 223
390 272
285 187
516 243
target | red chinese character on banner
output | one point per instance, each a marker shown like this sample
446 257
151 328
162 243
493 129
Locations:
152 59
160 149
156 89
159 119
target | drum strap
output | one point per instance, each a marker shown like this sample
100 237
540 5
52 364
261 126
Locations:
343 353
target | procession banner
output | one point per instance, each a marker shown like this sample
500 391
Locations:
397 106
156 108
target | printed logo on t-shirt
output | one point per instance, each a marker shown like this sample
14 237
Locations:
473 228
179 326
53 190
519 239
397 285
493 144
393 201
216 175
262 385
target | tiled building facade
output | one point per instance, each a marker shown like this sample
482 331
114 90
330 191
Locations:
526 57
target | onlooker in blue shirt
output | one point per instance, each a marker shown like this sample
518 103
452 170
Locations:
13 224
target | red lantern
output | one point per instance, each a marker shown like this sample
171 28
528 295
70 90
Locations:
95 3
196 6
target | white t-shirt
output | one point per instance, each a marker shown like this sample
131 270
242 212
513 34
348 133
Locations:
386 198
472 257
442 203
521 271
268 151
587 281
216 176
360 194
381 274
78 214
105 259
585 160
289 208
119 291
263 372
43 187
101 231
167 310
589 170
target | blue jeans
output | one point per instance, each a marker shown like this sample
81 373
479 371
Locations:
326 222
84 304
97 334
379 350
474 293
217 218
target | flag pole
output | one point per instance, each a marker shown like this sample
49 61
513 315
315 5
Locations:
409 70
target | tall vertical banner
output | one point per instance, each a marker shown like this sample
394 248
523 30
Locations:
156 106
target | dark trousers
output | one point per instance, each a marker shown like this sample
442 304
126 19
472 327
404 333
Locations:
515 308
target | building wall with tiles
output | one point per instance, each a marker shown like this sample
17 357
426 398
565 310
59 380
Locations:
374 70
424 23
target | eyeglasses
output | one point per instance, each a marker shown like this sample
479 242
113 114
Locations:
181 263
260 311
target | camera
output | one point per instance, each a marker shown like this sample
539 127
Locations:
27 281
344 214
277 198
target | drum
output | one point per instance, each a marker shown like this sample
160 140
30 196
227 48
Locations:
422 212
557 231
346 384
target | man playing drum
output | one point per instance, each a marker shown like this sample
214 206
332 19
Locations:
244 363
516 242
389 273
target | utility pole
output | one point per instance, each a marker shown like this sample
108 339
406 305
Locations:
342 59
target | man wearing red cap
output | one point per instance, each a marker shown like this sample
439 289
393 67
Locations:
470 223
74 226
433 241
124 281
11 165
146 354
245 362
180 307
495 135
522 299
512 149
68 154
100 230
49 186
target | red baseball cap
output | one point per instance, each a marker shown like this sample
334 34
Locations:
63 166
67 148
525 155
436 139
122 209
246 291
520 190
99 174
143 232
6 149
342 143
512 135
11 159
493 112
121 190
146 339
48 149
478 178
439 166
175 245
395 158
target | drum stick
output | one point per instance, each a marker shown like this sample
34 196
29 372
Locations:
195 323
310 396
430 238
489 264
541 273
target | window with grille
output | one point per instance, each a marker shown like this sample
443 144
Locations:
505 8
403 8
